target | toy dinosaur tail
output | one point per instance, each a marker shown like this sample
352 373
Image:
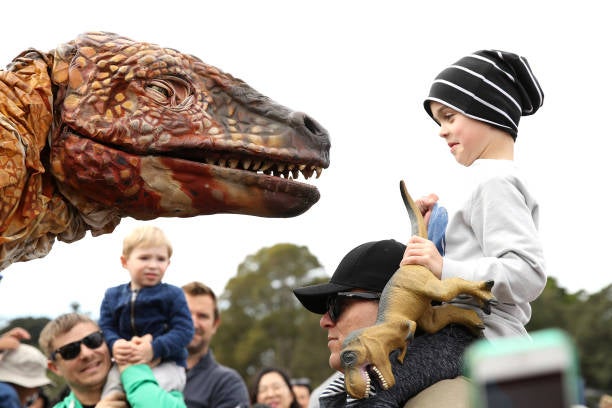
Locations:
416 218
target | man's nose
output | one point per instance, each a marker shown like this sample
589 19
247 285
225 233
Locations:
326 321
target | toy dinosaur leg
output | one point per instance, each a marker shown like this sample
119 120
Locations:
437 317
447 289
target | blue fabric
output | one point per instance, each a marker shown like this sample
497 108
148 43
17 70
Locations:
8 396
160 310
211 385
436 230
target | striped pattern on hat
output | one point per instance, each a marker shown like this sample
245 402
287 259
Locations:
491 86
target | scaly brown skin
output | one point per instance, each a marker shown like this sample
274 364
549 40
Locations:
104 127
405 303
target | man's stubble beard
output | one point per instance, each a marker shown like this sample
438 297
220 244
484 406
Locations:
198 347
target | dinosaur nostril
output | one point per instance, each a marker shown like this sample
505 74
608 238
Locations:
311 125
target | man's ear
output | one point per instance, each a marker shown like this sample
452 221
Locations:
53 367
216 325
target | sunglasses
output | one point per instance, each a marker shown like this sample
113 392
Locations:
335 305
72 350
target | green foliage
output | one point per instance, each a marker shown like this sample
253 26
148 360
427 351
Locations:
263 324
588 320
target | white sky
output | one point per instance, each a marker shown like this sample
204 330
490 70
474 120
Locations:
361 69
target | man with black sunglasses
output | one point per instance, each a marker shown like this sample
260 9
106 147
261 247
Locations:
350 301
78 353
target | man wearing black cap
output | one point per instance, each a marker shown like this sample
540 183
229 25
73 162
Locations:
349 301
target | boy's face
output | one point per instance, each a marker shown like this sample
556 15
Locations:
147 265
467 138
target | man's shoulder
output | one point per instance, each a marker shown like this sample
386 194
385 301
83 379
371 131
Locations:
452 393
214 371
225 371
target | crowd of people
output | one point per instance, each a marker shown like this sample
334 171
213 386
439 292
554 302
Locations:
151 346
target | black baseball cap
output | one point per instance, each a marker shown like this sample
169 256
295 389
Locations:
368 266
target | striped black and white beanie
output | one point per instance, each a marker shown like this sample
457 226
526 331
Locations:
491 86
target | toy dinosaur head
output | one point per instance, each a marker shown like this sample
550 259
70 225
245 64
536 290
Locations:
145 131
358 351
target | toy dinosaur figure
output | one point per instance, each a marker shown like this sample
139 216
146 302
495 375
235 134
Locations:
104 127
405 303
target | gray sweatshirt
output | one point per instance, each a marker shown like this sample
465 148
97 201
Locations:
493 236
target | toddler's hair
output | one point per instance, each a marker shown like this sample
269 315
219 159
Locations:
145 236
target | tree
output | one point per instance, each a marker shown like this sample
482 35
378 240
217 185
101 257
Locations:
263 324
588 321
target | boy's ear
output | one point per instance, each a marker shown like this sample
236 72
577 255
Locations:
123 261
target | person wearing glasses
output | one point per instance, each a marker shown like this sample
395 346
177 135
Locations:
350 301
77 352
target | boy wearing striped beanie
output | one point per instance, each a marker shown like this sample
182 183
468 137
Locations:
477 102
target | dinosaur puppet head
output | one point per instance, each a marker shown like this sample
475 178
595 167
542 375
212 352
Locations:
154 132
104 127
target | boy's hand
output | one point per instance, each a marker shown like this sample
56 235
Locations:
122 351
421 251
425 205
142 349
113 400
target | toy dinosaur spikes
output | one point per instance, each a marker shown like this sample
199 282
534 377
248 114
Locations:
405 303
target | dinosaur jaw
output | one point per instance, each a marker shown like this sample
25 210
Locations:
149 186
357 382
359 379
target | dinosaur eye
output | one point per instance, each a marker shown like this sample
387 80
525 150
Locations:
173 92
348 358
165 92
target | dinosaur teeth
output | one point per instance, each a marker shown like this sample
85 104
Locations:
381 378
284 170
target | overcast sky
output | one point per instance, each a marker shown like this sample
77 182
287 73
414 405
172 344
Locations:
361 69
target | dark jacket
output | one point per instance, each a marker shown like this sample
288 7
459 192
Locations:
211 385
430 358
160 311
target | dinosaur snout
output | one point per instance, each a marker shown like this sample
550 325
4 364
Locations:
316 134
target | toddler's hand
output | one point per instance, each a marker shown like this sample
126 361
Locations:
122 351
142 351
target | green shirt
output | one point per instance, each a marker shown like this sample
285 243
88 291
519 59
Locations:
141 390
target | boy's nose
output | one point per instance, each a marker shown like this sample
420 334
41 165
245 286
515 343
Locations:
443 132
